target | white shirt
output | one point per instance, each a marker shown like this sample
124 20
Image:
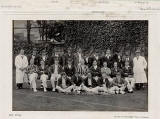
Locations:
69 66
95 67
44 58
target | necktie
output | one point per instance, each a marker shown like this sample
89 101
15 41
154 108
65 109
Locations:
22 57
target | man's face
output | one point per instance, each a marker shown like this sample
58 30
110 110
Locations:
89 75
64 76
22 52
118 76
42 62
69 51
94 63
105 64
108 52
43 54
80 50
126 64
34 53
115 64
138 54
76 74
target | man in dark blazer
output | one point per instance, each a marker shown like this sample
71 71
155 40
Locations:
69 69
97 58
88 59
64 85
34 56
118 58
67 56
52 58
95 70
44 58
128 59
115 69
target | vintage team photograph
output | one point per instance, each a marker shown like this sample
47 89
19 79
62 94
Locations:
80 65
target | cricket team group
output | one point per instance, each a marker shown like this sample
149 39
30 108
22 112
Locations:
79 72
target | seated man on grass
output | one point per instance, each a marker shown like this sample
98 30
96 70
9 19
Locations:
119 84
77 81
64 84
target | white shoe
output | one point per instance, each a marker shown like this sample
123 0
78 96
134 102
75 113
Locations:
35 90
53 89
45 90
122 92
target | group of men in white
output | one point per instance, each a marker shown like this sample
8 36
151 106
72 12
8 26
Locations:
79 72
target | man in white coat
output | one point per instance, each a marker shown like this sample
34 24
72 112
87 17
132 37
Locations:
139 66
21 63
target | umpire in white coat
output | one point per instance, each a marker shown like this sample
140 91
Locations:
21 63
139 66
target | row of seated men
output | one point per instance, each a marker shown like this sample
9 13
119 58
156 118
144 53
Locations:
71 78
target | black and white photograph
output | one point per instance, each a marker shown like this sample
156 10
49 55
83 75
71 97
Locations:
80 65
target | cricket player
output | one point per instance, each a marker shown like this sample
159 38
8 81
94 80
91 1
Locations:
64 84
127 73
32 70
55 71
43 72
77 81
119 84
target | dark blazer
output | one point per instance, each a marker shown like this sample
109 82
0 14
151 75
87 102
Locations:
126 72
46 61
68 82
69 71
98 61
114 71
77 80
52 58
89 62
95 72
66 57
41 70
118 60
52 68
36 60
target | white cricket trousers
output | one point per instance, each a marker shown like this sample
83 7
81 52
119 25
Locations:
54 78
32 80
44 78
